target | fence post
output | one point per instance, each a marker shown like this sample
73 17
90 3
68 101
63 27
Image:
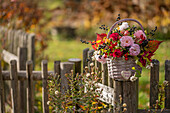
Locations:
154 82
77 63
66 68
130 96
14 86
167 90
90 54
2 96
57 67
118 91
31 47
105 74
85 63
22 58
30 92
57 72
44 65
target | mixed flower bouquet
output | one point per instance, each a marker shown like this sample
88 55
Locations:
125 42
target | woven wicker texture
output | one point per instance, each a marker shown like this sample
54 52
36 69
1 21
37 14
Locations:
116 66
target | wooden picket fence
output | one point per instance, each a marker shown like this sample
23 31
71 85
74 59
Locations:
128 90
13 41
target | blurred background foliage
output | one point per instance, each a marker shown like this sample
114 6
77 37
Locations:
59 24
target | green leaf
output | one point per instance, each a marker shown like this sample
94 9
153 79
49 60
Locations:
137 73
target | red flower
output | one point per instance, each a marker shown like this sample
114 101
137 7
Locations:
117 53
115 44
98 41
114 36
101 36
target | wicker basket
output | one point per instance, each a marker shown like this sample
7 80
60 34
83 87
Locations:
120 69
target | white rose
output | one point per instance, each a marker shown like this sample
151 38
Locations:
123 26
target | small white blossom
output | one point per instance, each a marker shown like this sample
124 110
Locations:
151 64
93 58
48 102
88 74
92 64
148 67
56 92
123 26
133 78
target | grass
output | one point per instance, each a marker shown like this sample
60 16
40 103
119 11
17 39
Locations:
65 49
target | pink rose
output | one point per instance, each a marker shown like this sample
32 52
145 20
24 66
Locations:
126 41
138 34
134 50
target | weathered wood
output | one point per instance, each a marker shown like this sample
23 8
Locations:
44 86
85 52
154 82
9 41
22 58
31 47
57 67
98 67
105 74
14 87
66 68
57 70
118 91
22 75
7 56
90 54
2 96
153 111
167 89
77 64
130 96
30 91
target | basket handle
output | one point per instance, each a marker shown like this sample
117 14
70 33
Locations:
126 19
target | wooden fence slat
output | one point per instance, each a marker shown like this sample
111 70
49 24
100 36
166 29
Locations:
130 96
66 68
2 96
85 52
118 90
77 64
15 42
57 72
22 58
14 86
98 67
90 54
154 82
31 47
30 91
167 89
57 67
104 74
9 45
44 86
